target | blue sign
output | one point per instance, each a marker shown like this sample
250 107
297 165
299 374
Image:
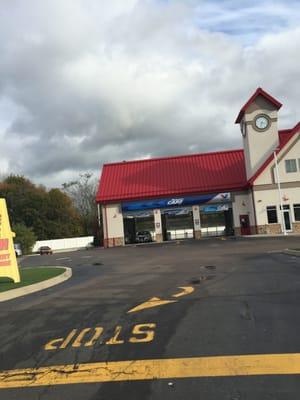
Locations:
214 208
175 202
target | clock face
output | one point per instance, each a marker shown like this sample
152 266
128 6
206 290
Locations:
262 122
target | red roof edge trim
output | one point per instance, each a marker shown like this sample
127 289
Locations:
233 188
259 92
172 157
291 133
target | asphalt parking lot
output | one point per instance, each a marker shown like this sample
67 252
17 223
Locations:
211 319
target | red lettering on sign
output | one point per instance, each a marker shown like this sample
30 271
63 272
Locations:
4 256
6 263
3 244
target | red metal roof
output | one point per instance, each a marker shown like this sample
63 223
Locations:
171 176
259 92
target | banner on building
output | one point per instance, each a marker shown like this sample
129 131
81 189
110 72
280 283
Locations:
8 261
176 201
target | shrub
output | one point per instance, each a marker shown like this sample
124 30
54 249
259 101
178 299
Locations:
25 236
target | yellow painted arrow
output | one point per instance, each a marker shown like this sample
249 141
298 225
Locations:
156 301
153 302
185 290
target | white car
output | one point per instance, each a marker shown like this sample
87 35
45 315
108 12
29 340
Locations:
18 249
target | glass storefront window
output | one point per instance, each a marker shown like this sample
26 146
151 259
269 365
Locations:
297 212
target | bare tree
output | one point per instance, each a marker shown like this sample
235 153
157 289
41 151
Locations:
83 194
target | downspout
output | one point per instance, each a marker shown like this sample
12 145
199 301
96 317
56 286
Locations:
106 241
100 231
254 210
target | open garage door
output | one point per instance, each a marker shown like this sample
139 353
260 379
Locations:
139 227
216 221
177 223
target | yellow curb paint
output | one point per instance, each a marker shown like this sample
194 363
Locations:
153 302
185 291
134 370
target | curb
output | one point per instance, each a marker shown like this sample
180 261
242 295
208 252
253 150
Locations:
292 252
36 287
268 236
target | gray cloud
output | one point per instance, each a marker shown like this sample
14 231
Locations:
84 82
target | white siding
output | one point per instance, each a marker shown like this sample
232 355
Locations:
113 221
269 176
264 198
242 205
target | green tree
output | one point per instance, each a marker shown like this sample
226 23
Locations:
25 236
50 214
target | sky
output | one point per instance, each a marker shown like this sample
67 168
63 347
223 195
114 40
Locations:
86 82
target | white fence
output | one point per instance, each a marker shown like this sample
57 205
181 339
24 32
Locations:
64 244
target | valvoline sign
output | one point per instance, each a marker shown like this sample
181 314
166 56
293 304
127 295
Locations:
176 201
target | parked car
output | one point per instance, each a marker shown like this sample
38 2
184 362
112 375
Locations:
18 249
143 237
45 250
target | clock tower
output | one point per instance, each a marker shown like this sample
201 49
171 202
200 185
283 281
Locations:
258 122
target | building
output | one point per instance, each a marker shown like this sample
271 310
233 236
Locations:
221 193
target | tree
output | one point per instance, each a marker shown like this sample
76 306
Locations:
25 236
83 194
50 214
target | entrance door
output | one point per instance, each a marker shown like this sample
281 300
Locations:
287 220
245 225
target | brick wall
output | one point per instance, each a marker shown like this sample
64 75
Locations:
198 235
158 237
296 227
267 229
114 242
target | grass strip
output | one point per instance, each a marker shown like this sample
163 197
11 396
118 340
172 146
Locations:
30 276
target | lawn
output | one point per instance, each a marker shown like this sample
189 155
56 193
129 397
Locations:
30 276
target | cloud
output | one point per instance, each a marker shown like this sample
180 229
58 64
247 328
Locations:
84 82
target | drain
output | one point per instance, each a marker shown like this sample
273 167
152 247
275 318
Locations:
97 263
210 277
210 267
196 281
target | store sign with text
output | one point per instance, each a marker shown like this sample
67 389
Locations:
176 201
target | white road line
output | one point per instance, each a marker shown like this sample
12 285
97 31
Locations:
63 258
86 257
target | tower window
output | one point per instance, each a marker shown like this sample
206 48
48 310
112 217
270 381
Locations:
291 165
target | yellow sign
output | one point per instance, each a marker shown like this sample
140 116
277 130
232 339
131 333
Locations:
8 261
